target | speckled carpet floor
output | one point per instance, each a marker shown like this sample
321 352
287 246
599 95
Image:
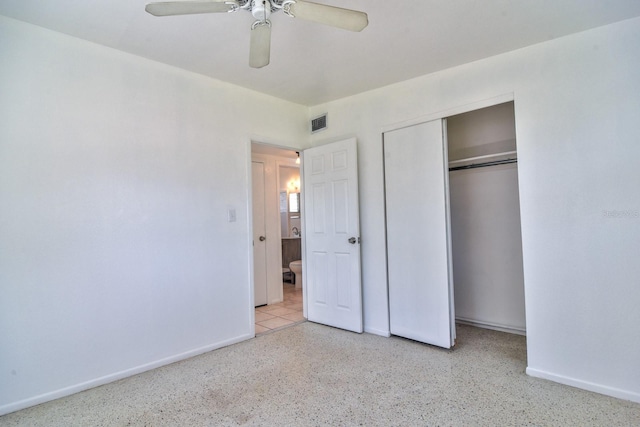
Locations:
312 375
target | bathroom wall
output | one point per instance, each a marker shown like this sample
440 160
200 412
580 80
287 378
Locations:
288 220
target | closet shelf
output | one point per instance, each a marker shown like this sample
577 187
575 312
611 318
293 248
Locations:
486 156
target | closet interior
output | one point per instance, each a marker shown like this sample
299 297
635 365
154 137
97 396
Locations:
454 251
486 243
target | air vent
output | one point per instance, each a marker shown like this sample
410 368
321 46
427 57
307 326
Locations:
319 123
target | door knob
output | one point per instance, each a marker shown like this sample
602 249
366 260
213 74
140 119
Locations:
352 240
262 238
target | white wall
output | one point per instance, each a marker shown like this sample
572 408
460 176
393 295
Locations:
116 174
577 104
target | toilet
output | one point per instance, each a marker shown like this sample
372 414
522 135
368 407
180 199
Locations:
296 267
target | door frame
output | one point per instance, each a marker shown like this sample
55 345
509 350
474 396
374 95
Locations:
249 160
264 220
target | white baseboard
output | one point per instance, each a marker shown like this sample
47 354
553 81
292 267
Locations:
492 326
67 391
379 332
585 385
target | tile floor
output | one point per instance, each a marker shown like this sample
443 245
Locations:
283 314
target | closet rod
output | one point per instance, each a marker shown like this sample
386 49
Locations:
485 164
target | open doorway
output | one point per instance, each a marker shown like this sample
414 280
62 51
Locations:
277 237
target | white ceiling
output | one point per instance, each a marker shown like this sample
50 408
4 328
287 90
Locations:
312 63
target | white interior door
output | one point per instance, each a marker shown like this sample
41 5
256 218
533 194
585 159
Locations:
332 235
259 235
418 238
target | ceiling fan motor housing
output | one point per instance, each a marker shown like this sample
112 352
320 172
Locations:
261 9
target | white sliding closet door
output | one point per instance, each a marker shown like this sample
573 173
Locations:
418 237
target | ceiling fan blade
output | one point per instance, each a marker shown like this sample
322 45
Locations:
260 49
188 7
346 19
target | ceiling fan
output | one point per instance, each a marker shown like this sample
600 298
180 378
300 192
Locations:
260 49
